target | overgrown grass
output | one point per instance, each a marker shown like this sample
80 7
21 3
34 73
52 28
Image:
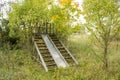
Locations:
19 64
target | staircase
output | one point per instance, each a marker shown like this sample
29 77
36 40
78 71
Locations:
45 56
63 50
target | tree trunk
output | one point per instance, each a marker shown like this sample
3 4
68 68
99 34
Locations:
105 56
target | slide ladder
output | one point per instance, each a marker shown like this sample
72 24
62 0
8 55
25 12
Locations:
63 50
44 54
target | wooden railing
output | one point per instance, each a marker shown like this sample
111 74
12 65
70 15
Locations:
44 28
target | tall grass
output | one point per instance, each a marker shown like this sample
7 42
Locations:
19 65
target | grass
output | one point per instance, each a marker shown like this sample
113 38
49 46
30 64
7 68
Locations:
20 65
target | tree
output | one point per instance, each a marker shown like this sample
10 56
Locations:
31 12
4 30
62 16
25 16
103 19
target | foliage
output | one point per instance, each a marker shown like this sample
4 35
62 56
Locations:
4 32
19 65
76 29
62 17
103 22
33 13
25 16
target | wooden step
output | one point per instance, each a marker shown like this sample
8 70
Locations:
52 35
46 56
58 45
54 39
41 40
44 52
37 35
47 52
40 43
53 64
68 57
65 54
43 49
70 60
61 48
36 39
49 60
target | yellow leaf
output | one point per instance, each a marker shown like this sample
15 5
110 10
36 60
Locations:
65 2
54 17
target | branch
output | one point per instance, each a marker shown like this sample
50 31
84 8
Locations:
100 22
97 55
98 40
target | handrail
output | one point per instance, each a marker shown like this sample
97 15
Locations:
45 28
